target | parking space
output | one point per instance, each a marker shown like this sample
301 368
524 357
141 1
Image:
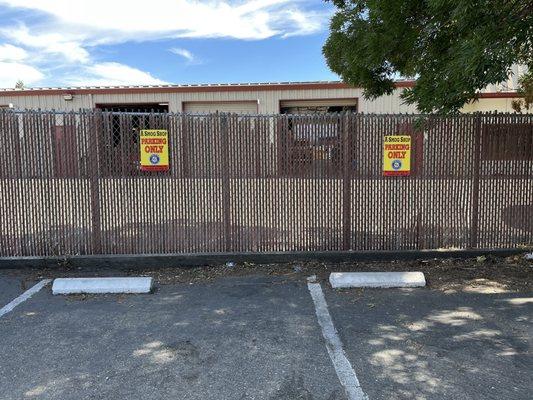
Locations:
427 344
261 336
254 338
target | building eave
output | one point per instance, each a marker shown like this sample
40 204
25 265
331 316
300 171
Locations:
186 88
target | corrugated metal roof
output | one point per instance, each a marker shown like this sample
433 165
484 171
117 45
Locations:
181 86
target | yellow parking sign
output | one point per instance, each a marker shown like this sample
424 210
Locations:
154 150
397 155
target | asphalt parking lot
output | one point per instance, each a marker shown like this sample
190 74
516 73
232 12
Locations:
258 337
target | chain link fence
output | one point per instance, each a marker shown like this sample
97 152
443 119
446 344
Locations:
70 183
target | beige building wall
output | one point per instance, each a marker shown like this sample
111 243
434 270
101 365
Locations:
491 105
268 100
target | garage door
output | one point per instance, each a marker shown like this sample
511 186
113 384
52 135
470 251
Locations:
317 106
237 107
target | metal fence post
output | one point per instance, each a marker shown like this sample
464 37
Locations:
185 147
282 151
94 180
475 184
346 182
226 199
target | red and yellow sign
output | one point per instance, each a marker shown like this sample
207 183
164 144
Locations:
154 150
397 155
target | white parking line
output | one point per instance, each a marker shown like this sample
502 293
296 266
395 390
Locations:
23 297
342 365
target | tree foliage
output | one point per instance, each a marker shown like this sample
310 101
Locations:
452 47
526 91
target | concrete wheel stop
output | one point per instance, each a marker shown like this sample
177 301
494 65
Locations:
102 285
340 280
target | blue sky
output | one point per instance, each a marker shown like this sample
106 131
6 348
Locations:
121 42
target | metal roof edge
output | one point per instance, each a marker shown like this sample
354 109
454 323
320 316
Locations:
186 88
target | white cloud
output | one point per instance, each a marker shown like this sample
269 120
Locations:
112 74
67 32
184 53
305 24
51 43
9 52
109 21
11 72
